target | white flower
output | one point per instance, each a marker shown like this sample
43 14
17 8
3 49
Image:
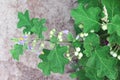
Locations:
114 54
82 35
92 31
80 26
118 57
67 54
77 37
111 52
80 55
60 33
78 49
69 58
60 39
42 45
104 27
76 53
85 34
51 32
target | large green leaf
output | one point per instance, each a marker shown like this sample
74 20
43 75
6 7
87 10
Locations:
17 51
114 26
113 7
39 27
103 63
91 42
53 60
88 17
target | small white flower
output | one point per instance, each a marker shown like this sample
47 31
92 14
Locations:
81 35
114 54
60 33
59 36
69 58
104 27
85 34
51 32
92 31
61 40
76 53
80 26
77 37
78 49
68 55
42 45
80 55
118 57
111 52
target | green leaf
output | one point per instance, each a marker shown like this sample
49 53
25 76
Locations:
54 39
39 27
90 3
114 26
112 6
103 63
54 60
88 17
76 43
92 74
79 74
17 51
91 42
24 21
45 64
70 37
114 39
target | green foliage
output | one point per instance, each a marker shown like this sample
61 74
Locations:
17 51
94 51
53 60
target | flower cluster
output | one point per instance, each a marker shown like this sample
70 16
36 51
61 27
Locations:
114 52
78 53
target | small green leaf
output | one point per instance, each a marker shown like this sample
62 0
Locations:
54 39
24 19
17 51
70 37
39 27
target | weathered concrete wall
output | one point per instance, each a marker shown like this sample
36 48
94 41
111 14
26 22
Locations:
57 13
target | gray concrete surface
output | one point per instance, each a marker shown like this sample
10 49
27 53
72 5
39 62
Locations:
57 13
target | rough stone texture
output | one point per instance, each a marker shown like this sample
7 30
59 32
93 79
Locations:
57 13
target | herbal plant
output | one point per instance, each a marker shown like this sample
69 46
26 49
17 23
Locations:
94 52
